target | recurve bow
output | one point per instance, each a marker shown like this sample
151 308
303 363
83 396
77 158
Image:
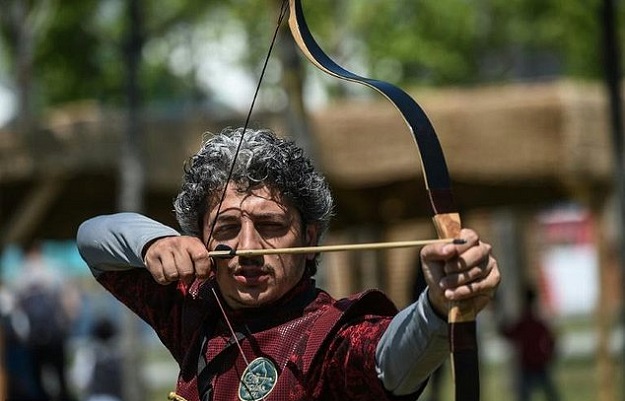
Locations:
461 318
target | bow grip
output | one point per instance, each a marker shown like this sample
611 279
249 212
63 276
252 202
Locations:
448 225
462 330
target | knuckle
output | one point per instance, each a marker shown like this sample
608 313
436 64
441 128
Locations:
199 256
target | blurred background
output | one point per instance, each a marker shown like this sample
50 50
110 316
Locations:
102 101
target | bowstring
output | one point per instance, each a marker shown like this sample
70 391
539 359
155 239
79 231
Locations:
283 10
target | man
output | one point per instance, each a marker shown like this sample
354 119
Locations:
255 328
535 345
48 307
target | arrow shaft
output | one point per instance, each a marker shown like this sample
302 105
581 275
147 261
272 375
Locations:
330 248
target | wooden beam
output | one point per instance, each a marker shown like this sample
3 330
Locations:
34 205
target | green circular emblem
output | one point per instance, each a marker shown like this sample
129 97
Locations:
258 379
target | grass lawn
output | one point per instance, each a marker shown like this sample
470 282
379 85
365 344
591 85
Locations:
576 380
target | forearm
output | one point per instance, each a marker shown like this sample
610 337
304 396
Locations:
116 242
412 347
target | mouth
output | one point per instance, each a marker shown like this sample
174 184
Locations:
251 276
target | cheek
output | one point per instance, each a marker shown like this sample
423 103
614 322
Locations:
293 268
222 269
221 272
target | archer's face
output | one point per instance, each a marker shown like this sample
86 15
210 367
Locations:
258 219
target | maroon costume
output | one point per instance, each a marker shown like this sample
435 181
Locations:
321 348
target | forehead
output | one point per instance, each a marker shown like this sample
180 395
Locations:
260 198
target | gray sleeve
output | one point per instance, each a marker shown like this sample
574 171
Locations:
116 241
413 346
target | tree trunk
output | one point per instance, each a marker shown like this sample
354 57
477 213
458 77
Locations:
131 175
612 68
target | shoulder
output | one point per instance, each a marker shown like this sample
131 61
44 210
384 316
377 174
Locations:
366 303
336 323
348 349
367 312
370 302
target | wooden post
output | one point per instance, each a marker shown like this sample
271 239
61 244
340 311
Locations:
612 64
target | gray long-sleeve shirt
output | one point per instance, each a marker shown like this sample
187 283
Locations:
412 347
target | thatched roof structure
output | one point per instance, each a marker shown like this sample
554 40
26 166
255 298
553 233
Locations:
520 145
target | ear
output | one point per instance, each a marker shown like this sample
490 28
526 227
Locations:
311 238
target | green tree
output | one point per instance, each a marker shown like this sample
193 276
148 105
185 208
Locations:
407 42
468 41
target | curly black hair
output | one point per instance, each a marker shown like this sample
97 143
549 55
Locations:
262 158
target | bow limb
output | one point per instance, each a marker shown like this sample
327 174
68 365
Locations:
463 341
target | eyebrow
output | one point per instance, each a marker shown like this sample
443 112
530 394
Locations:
271 215
225 216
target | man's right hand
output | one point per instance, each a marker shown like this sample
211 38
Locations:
170 259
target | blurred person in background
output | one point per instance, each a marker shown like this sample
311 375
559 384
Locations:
19 378
98 366
535 345
48 307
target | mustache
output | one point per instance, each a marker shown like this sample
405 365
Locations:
256 265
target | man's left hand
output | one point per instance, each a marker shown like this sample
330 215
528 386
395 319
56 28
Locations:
458 272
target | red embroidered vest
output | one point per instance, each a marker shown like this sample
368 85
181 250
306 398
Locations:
279 356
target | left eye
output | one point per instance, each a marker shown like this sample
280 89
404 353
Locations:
271 228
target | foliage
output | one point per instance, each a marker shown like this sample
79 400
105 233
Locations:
80 51
72 61
469 41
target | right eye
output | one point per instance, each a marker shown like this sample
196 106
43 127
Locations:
226 231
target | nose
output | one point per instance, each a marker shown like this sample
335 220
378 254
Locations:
249 238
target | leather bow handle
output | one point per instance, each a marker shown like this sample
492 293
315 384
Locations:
463 340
